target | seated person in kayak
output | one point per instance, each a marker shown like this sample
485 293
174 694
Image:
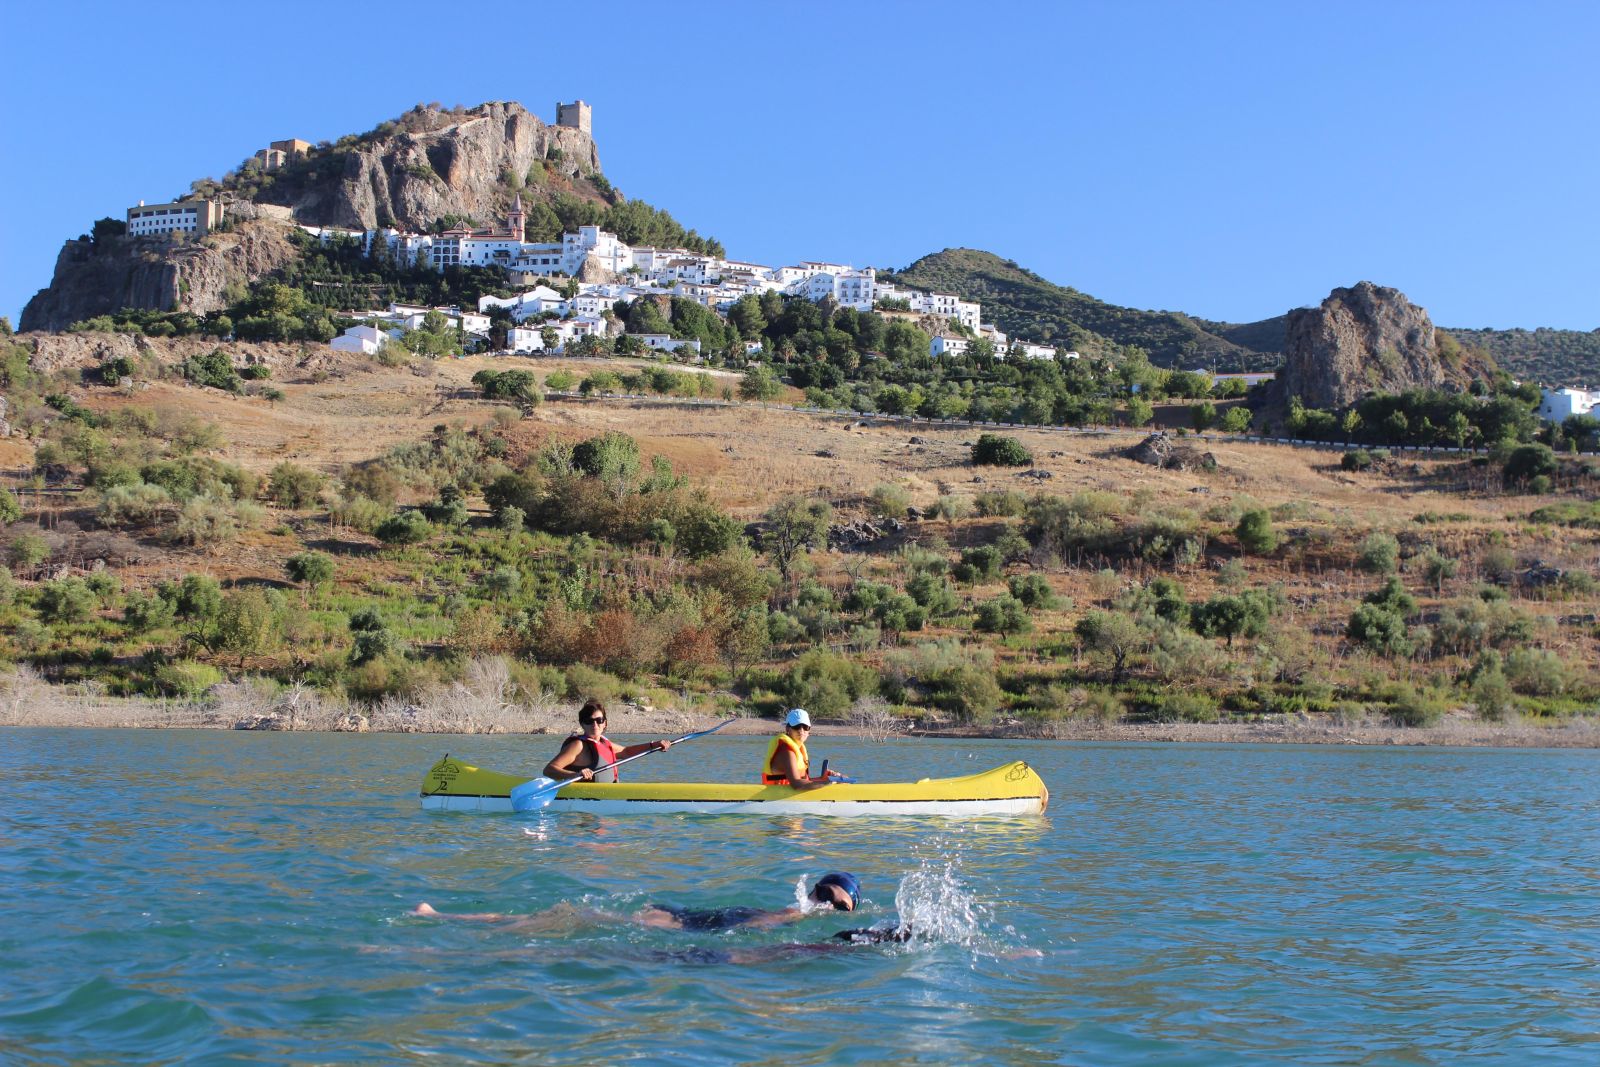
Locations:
787 762
839 890
584 753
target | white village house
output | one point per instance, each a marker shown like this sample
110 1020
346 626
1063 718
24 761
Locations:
1558 405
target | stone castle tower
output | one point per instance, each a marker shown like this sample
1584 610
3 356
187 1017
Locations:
577 115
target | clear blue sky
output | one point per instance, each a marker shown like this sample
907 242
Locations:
1232 160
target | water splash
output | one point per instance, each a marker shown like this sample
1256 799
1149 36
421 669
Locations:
935 905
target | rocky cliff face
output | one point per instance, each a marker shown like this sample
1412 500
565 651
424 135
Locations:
1361 340
414 177
98 278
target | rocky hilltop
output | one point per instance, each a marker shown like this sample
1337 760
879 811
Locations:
1362 340
429 165
414 172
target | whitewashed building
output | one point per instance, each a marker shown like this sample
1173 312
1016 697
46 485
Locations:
941 345
193 217
1558 405
363 339
660 342
1029 350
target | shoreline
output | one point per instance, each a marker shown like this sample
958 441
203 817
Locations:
552 718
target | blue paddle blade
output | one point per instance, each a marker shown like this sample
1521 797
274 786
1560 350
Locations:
535 794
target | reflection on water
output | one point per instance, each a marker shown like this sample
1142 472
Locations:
213 897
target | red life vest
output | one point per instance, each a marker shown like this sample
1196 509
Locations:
604 752
769 776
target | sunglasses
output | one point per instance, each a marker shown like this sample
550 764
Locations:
801 726
597 718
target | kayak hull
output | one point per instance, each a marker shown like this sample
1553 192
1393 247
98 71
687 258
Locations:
1009 790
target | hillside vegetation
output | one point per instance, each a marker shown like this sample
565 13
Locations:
1027 306
377 531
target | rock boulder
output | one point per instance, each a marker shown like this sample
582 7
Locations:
1362 340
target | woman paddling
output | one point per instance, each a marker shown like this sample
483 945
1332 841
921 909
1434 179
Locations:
584 753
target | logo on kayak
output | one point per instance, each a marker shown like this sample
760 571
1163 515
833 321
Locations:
1017 773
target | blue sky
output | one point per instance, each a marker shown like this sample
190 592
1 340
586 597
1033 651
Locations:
1232 160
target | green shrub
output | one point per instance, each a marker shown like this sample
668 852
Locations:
310 568
358 513
890 501
1490 690
1378 553
1381 630
1004 614
197 598
27 550
978 564
67 600
968 691
1356 460
132 505
1392 597
255 372
1255 532
294 487
147 612
187 678
247 622
10 508
1184 707
1410 707
933 592
406 528
1528 463
213 369
997 450
826 684
206 520
950 507
1033 590
1537 672
1006 503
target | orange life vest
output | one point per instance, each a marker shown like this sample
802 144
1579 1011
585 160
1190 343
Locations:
604 752
771 777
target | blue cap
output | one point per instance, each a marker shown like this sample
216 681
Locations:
844 880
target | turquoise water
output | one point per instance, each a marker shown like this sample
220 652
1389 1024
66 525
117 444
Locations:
242 898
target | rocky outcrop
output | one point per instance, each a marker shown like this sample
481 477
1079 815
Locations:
1362 340
1161 450
50 352
102 277
430 166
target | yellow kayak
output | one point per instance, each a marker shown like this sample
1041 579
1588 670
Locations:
1010 789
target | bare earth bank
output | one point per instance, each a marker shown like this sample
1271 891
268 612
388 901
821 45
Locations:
463 710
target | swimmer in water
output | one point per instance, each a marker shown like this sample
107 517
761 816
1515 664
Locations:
839 890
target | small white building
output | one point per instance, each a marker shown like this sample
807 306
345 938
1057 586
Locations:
1558 405
947 346
362 339
661 342
524 339
1029 350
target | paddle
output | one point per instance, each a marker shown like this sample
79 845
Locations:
844 779
539 792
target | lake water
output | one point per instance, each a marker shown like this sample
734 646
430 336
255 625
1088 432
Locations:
225 898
